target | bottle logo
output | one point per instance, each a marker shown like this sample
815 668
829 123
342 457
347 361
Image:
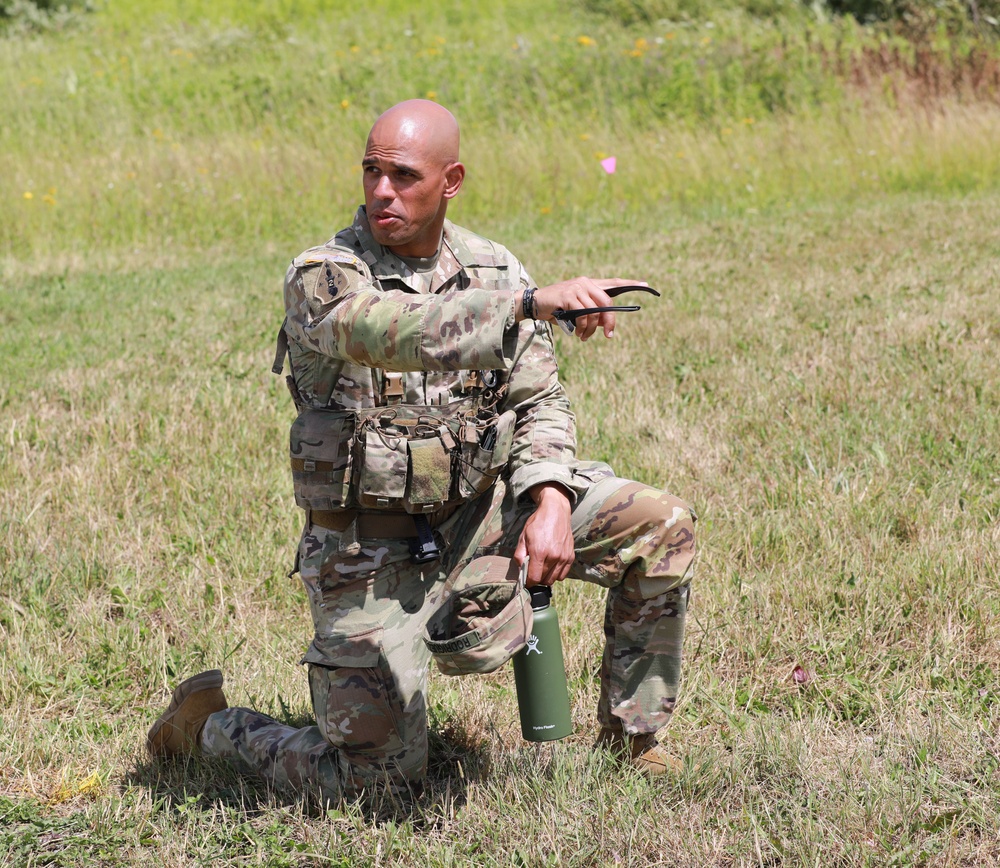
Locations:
532 645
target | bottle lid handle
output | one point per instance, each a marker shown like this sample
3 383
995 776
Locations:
541 596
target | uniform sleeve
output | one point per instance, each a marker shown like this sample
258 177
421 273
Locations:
544 447
334 309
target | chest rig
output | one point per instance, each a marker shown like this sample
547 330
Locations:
385 446
399 457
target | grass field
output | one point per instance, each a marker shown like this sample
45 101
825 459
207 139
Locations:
820 379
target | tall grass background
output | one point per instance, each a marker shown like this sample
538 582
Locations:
159 126
816 200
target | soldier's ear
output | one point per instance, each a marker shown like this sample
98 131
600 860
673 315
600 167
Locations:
454 175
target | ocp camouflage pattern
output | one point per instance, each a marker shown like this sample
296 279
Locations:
356 316
369 665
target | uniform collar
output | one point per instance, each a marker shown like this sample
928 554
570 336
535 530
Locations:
384 264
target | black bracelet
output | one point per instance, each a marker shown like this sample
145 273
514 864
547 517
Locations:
528 304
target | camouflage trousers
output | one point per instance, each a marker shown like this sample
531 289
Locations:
368 665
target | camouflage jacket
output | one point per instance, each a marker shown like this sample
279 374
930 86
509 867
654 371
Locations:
355 312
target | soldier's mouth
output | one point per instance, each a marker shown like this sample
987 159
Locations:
383 219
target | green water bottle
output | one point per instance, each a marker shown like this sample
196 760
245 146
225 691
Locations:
540 677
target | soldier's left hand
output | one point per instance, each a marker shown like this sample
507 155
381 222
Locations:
547 537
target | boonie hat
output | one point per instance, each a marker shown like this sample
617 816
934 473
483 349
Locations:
484 622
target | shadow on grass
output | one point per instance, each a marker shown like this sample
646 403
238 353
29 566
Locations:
192 784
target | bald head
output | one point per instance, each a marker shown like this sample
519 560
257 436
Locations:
411 170
425 123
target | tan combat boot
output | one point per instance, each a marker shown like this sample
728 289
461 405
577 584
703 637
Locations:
179 727
644 752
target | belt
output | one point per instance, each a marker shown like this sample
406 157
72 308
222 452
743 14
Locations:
379 525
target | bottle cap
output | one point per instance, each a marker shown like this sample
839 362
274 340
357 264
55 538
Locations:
541 597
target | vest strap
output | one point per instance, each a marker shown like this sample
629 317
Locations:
281 349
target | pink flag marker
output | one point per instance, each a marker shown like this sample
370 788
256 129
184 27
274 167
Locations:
609 165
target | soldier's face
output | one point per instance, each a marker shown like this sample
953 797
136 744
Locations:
406 192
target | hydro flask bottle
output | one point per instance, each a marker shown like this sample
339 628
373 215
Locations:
539 675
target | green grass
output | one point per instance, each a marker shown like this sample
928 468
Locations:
820 384
819 379
137 135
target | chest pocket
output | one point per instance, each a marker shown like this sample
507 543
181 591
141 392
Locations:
489 277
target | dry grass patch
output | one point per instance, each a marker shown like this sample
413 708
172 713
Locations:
822 387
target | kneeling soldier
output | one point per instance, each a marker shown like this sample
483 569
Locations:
432 429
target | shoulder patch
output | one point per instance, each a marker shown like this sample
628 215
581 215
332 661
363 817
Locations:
324 280
317 255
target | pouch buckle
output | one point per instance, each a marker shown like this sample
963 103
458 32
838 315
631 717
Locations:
423 547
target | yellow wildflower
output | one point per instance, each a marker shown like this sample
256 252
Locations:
546 210
66 791
748 121
49 199
355 49
585 41
432 94
28 194
344 103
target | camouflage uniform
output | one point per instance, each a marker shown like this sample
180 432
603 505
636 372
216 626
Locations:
356 311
